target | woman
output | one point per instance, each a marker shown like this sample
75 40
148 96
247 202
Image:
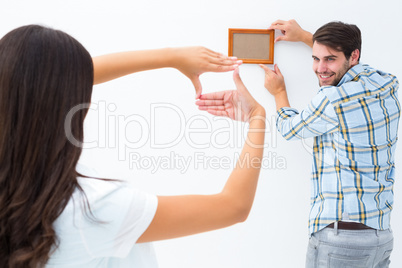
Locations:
51 215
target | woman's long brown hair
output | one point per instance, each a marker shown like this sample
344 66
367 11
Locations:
44 73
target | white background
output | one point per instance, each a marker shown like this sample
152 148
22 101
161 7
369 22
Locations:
275 234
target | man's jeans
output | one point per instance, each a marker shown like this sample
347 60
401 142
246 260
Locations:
333 248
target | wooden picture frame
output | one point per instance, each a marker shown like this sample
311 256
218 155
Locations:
252 45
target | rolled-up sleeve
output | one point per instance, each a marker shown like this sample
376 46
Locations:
317 119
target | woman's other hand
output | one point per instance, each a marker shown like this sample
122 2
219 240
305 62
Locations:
235 104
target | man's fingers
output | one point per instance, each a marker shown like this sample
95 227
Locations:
277 70
279 22
278 25
280 38
266 69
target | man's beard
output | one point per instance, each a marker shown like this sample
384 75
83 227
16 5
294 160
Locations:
337 76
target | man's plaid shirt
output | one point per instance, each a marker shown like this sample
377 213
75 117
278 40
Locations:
355 126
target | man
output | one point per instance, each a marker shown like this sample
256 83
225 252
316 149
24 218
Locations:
354 121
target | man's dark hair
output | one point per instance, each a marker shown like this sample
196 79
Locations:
340 36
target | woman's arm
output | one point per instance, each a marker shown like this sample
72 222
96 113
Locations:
178 216
191 61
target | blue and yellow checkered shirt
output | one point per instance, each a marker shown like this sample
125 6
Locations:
355 126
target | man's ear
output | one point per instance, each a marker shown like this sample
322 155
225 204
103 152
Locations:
354 58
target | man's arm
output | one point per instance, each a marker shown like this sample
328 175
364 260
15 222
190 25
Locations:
274 80
275 84
317 118
292 32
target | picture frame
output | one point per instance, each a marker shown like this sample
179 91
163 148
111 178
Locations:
255 46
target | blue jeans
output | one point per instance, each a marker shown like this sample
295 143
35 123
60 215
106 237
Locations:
333 248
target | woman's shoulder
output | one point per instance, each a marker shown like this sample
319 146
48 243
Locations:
94 186
104 197
98 190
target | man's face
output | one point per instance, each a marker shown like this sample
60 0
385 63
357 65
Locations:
329 65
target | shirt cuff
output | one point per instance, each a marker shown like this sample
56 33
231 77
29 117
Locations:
286 112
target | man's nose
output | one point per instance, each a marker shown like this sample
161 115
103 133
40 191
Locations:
322 67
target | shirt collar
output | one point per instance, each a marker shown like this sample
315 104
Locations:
351 74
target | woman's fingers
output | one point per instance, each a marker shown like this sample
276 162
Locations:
197 86
206 105
238 82
221 63
218 113
213 95
212 53
207 108
209 102
224 65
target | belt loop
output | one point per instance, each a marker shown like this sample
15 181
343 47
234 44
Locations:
336 228
377 232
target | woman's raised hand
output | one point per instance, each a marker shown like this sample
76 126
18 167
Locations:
235 104
194 61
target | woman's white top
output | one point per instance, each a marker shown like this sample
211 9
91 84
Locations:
108 238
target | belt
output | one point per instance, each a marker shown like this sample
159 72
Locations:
345 225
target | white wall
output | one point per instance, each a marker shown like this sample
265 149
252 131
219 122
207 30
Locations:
275 235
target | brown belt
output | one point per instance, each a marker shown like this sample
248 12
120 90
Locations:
344 225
